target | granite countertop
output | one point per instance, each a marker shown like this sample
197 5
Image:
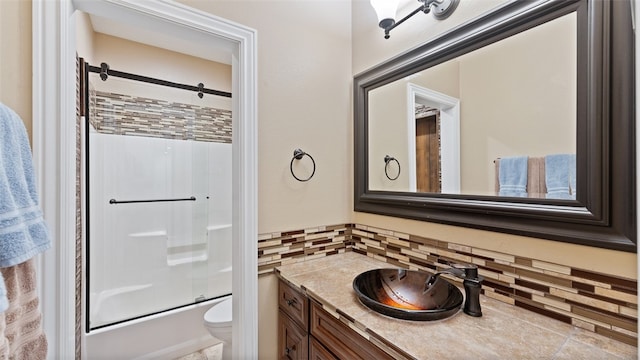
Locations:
503 332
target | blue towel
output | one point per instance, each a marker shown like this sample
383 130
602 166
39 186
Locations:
572 175
513 176
560 170
23 232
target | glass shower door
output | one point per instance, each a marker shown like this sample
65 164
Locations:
158 200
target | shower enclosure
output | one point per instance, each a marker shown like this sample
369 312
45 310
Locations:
158 195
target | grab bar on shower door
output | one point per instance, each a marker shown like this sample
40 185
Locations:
114 201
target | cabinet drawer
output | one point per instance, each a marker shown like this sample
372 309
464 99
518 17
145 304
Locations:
318 352
293 303
341 340
292 340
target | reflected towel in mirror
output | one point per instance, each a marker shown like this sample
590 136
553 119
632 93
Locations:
513 176
560 170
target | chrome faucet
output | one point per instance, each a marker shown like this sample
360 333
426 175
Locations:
472 283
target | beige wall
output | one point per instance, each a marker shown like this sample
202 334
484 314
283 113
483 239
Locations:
528 117
369 49
304 92
137 58
388 122
85 37
498 118
15 58
141 59
388 135
304 97
133 57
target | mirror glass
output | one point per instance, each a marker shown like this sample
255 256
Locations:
497 121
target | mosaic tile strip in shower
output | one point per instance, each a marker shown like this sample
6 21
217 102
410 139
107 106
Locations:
133 115
601 303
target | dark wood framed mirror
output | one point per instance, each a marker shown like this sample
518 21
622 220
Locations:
602 211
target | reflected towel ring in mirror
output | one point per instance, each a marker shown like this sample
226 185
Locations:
298 154
387 160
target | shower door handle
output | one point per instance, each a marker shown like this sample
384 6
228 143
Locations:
114 201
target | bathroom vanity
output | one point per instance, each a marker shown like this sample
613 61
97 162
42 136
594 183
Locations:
320 317
307 331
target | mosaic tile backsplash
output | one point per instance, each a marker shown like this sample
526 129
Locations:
119 114
604 304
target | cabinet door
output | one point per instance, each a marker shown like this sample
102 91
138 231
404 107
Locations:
341 340
293 303
293 342
319 352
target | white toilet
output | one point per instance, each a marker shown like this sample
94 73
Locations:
218 320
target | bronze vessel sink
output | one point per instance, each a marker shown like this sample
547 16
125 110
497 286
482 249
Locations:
407 294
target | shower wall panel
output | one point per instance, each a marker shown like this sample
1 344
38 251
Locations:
153 256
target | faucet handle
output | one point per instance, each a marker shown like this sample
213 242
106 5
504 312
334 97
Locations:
470 270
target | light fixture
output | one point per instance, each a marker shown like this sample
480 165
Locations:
386 11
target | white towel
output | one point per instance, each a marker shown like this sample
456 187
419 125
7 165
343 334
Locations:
23 232
4 300
21 332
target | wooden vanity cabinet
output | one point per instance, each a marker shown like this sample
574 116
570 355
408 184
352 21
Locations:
293 341
307 331
340 339
318 352
293 320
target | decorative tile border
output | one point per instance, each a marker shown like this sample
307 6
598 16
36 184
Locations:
289 247
600 303
130 115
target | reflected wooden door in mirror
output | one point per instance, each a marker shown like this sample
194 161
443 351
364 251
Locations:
535 132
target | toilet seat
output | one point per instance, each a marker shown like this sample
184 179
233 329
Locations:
220 315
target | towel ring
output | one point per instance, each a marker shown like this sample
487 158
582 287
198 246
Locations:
387 160
297 155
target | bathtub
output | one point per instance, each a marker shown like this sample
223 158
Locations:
165 335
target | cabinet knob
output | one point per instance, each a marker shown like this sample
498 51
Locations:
291 302
287 350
